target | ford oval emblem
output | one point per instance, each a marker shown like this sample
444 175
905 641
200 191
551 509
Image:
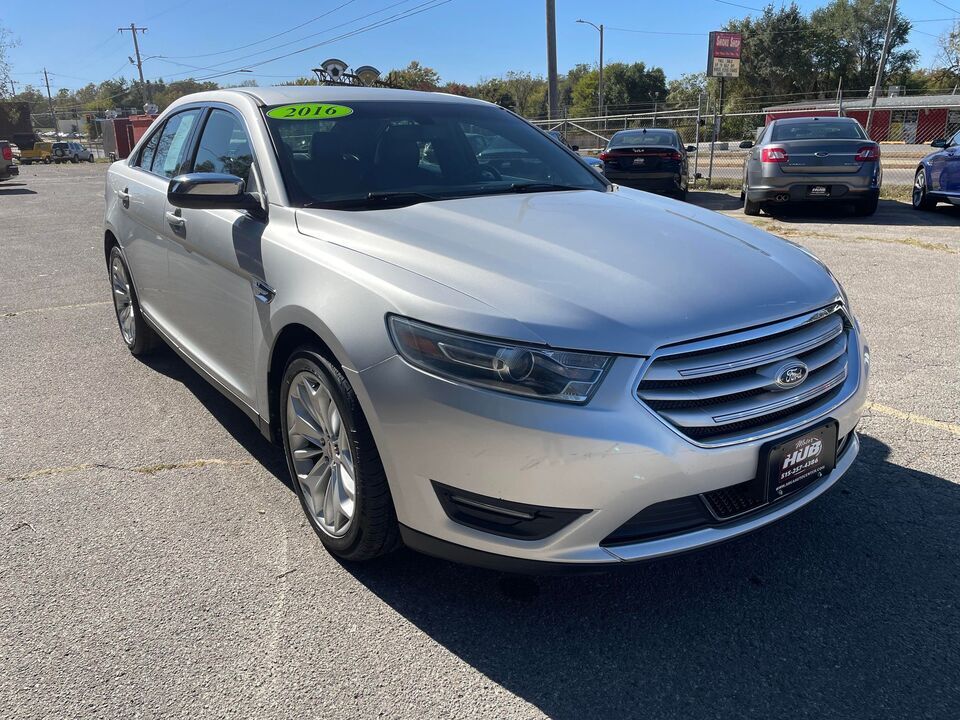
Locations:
791 374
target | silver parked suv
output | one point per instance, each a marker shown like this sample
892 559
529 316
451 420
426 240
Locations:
514 364
824 160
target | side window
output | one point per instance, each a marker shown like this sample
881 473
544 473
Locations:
149 150
172 148
955 140
225 148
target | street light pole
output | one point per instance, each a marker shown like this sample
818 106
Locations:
599 29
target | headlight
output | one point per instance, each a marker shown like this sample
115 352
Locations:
517 369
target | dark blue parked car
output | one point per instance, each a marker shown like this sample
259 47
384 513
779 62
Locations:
938 176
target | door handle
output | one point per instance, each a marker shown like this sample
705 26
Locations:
124 196
174 220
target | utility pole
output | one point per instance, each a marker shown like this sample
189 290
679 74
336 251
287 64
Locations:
883 61
53 114
133 30
552 99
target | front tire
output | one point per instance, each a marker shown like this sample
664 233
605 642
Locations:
333 462
920 198
139 337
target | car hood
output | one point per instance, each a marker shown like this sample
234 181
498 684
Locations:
620 271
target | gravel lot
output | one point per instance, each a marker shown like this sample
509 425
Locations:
156 565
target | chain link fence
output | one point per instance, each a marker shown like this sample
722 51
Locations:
904 135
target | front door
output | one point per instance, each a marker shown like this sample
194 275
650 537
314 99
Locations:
945 168
215 264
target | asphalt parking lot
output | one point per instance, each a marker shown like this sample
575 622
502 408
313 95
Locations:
154 562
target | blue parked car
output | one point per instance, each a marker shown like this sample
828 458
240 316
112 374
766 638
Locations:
938 176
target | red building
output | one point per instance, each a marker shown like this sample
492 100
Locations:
910 119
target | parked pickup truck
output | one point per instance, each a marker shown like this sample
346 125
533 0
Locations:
7 167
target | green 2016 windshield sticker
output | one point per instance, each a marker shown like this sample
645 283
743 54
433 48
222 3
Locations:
309 111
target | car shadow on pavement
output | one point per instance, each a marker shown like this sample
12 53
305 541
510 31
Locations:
889 212
232 418
716 201
848 609
16 189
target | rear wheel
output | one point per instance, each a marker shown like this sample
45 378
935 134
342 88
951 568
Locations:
750 207
865 208
921 199
138 336
333 461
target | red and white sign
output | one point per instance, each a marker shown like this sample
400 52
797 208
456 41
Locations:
723 59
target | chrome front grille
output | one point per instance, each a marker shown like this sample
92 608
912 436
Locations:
725 388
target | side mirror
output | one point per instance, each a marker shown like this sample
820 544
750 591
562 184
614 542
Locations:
575 148
939 143
691 148
212 191
746 144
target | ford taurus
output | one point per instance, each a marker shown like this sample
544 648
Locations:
506 361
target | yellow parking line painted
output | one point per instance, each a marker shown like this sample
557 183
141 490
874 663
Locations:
14 313
142 470
952 428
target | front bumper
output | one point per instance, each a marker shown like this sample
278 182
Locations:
612 457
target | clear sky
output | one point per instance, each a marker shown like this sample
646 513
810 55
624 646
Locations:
464 40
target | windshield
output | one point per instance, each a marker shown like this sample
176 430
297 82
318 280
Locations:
364 152
818 130
644 138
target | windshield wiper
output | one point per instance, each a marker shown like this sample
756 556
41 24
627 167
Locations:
532 187
397 198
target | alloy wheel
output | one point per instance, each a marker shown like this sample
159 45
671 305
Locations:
919 188
123 300
322 457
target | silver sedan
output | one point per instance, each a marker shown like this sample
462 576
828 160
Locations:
510 361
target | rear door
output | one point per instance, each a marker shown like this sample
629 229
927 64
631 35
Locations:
216 267
945 168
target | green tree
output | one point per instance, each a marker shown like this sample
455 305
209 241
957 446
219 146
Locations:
301 81
776 62
626 88
414 77
6 43
164 93
847 39
495 90
687 90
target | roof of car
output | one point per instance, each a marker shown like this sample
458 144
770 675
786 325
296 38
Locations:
283 94
650 129
799 120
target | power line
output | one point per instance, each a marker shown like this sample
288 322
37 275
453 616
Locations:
745 7
424 7
319 32
947 7
266 39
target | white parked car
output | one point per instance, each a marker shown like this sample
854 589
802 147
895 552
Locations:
511 361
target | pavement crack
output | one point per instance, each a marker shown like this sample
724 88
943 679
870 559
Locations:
139 470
